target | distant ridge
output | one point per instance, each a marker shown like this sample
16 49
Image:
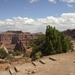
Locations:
70 33
10 38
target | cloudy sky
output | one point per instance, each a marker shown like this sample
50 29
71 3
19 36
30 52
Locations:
34 15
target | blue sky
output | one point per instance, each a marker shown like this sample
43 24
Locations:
35 9
34 15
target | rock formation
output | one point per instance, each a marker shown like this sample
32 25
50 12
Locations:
70 33
20 46
10 38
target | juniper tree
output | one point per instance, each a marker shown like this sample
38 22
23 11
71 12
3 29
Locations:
52 42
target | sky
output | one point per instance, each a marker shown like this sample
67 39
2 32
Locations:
34 15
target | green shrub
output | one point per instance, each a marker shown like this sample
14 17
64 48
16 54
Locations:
10 52
17 53
3 53
26 54
38 55
53 42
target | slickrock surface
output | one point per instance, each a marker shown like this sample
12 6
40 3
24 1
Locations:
64 65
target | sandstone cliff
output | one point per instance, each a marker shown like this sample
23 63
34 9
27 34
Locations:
20 47
70 32
10 38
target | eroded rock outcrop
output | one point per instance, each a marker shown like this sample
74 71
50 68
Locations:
70 32
20 47
10 38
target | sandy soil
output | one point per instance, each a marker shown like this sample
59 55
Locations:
64 65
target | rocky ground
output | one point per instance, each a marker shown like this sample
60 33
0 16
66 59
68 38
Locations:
5 65
60 64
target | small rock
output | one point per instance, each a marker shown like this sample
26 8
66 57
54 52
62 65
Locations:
33 71
25 69
74 62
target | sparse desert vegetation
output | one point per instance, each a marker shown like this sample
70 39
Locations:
51 43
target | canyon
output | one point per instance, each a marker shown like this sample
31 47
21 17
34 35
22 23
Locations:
10 38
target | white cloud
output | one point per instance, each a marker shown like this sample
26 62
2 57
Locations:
53 1
69 5
65 21
31 1
68 1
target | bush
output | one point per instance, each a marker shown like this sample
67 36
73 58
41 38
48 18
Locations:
10 52
3 53
38 55
26 54
17 53
53 42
